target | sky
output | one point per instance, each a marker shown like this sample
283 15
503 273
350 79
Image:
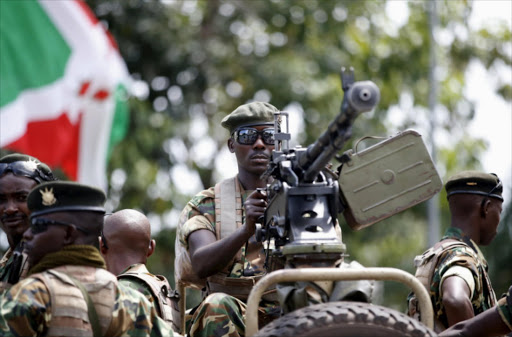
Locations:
493 119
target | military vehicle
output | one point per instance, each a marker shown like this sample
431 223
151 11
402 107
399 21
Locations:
304 201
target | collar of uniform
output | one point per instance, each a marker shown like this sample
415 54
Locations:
134 267
458 234
6 256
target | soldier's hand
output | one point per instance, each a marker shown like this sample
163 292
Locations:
255 206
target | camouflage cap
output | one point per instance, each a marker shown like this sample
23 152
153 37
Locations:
474 182
62 196
251 114
26 166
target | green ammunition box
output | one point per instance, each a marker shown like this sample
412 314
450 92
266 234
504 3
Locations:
387 178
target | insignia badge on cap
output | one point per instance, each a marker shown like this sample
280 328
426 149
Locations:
48 197
31 164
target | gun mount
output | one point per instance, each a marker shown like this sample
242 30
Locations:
306 197
303 199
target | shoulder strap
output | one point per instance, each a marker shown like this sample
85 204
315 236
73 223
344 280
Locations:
160 289
426 264
228 208
91 310
225 207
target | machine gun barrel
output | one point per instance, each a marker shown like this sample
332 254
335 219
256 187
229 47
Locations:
359 97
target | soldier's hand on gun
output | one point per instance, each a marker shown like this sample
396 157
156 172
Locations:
255 206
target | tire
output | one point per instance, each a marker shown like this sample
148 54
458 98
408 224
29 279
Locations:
345 319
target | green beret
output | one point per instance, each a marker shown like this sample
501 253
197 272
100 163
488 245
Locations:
26 166
474 182
251 114
64 196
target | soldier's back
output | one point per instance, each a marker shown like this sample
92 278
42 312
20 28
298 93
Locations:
51 303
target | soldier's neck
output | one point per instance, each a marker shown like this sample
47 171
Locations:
250 181
470 228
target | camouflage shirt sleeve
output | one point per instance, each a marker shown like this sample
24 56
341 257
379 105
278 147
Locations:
462 257
25 309
199 213
504 308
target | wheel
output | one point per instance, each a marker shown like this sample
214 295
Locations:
345 319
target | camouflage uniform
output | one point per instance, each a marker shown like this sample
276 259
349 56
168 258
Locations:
137 284
505 308
26 309
220 314
155 288
471 258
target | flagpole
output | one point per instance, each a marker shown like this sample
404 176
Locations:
432 203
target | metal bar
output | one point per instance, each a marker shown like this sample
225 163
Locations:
432 203
333 274
182 304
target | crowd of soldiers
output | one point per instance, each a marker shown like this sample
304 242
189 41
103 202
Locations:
72 270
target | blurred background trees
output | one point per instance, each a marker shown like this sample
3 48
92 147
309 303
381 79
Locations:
193 62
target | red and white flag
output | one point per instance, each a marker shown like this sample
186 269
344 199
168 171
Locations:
63 87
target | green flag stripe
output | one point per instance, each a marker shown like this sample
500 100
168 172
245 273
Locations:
120 120
32 51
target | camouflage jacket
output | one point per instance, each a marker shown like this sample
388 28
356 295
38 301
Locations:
469 257
505 308
155 288
26 309
199 213
136 284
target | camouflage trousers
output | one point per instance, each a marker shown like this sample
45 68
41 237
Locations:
223 315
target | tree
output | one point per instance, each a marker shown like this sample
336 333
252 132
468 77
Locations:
195 61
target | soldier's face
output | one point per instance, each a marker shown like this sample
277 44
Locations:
14 213
51 240
254 158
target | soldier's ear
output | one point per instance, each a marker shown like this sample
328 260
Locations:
151 248
231 145
103 249
70 235
484 207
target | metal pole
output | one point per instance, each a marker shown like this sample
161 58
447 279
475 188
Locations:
432 203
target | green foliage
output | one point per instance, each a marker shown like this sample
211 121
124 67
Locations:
198 60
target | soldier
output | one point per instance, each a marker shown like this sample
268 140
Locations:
68 291
18 175
496 321
126 244
215 243
455 270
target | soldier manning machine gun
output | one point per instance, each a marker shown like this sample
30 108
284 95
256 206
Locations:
305 198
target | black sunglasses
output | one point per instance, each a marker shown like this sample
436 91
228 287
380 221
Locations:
249 136
40 225
27 169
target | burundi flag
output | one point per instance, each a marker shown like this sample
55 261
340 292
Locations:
63 87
